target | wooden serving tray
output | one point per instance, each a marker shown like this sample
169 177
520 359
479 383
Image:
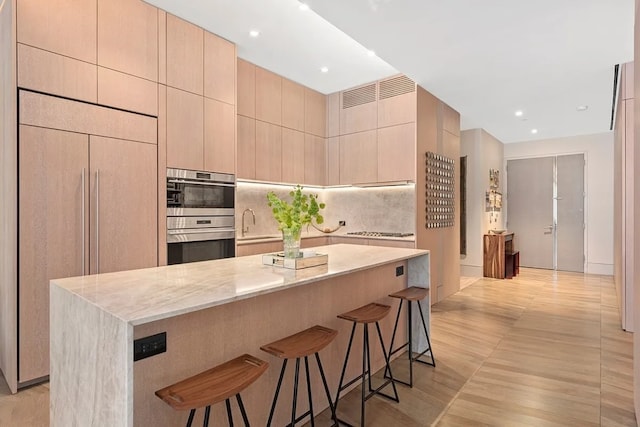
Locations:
278 260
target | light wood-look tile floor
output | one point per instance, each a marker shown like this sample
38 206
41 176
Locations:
543 349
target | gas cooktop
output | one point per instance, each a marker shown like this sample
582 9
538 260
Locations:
379 234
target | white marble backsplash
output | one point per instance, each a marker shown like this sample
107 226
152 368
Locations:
387 209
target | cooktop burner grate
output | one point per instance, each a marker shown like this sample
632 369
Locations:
379 234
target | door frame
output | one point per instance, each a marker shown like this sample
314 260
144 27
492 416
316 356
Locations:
585 201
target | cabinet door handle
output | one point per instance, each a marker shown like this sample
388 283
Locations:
97 221
82 209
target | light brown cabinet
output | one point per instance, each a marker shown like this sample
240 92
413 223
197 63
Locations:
268 152
333 161
72 208
219 69
359 158
293 105
315 110
246 89
293 156
315 160
268 96
397 153
219 136
358 109
185 55
185 124
396 101
246 147
66 27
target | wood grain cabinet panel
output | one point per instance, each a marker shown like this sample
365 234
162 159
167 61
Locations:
359 118
333 161
246 88
56 74
293 156
397 153
246 147
128 37
66 27
51 232
333 114
450 120
628 81
185 130
185 55
315 111
268 152
359 158
219 68
118 247
127 92
219 136
293 105
315 160
268 96
397 110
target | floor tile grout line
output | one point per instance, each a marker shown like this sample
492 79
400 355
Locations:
455 397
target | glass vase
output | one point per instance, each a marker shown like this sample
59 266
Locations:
291 241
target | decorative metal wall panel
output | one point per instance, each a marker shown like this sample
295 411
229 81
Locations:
440 196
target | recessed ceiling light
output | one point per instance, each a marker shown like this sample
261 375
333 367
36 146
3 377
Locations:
254 33
304 6
534 131
371 52
324 69
519 113
582 107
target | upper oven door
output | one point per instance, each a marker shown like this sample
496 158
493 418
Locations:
199 193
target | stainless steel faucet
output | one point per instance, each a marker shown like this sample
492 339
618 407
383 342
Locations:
246 230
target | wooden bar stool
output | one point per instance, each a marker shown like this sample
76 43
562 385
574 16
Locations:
370 313
213 386
411 294
303 344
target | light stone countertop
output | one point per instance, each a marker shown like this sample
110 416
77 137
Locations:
147 295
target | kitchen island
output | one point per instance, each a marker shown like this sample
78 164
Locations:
211 312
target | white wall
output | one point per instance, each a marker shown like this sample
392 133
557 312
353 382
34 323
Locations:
598 150
483 152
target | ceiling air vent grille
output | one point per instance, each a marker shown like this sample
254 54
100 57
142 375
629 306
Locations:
396 86
359 96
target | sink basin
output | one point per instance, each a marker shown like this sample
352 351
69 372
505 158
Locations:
241 239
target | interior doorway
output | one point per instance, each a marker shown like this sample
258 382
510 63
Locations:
545 210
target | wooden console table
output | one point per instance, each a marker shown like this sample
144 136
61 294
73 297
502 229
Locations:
500 260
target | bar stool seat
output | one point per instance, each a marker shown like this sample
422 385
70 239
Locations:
411 294
370 313
214 385
297 346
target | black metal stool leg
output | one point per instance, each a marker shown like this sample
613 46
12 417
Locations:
190 420
275 398
207 412
424 325
391 380
326 387
344 370
242 410
410 349
306 367
227 403
365 362
295 393
393 339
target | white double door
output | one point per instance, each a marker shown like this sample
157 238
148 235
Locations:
545 210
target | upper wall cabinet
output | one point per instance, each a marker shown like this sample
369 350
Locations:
315 106
268 96
246 89
397 153
359 158
358 109
396 101
333 114
219 136
185 55
293 101
219 69
246 147
185 130
67 27
268 152
128 37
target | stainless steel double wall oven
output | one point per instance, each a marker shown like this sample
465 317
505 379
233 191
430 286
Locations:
200 216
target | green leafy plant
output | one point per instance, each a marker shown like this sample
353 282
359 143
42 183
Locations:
301 211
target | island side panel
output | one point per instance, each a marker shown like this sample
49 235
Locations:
91 364
419 275
203 339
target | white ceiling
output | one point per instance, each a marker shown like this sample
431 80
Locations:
486 59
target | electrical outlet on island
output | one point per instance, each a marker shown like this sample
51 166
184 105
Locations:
342 223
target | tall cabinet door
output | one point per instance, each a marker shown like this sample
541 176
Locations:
53 232
123 205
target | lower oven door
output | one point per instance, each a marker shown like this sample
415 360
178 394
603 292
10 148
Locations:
191 245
